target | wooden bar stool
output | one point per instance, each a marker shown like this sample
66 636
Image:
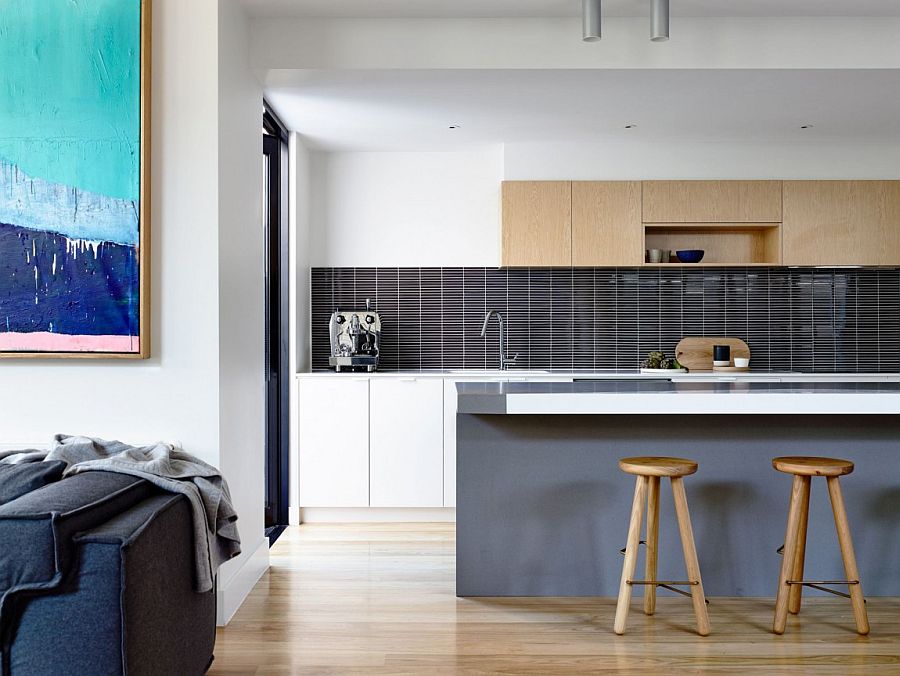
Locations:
791 582
648 471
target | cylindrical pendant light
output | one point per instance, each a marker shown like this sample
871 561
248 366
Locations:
590 20
659 20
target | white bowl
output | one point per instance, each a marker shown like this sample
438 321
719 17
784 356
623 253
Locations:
742 362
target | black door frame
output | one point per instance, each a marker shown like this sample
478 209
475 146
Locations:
277 327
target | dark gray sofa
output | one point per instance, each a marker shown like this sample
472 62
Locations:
97 577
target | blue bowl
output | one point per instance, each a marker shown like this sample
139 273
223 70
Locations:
690 255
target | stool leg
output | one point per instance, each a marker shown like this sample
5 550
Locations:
631 552
790 554
690 555
797 574
652 544
846 542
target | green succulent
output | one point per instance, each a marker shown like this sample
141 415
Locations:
658 360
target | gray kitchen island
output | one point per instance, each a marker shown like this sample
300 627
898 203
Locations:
542 508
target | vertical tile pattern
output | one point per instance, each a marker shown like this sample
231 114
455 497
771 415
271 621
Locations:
780 324
562 322
453 345
584 308
692 301
432 319
802 345
496 298
409 338
715 302
824 352
321 307
648 312
800 319
540 318
671 328
628 353
518 334
889 322
867 320
605 318
387 296
759 317
473 311
845 315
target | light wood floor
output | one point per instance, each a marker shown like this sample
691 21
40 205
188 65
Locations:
380 599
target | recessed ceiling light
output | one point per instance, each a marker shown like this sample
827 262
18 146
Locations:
807 126
631 126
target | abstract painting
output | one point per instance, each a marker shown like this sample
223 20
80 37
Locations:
74 230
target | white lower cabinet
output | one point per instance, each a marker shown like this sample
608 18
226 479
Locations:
406 442
450 443
333 436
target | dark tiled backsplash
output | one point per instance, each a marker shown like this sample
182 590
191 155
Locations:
799 319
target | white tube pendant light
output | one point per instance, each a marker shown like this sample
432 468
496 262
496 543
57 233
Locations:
659 20
590 20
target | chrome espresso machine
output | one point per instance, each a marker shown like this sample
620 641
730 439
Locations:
355 339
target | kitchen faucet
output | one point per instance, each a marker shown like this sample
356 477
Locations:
505 361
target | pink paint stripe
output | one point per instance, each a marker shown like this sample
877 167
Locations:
57 342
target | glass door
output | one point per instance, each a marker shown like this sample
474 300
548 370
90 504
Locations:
275 149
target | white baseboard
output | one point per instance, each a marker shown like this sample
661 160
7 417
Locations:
377 515
231 595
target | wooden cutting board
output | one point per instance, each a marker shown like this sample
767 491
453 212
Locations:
696 354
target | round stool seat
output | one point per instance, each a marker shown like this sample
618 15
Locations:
658 466
807 466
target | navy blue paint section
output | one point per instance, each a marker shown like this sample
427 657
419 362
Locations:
87 294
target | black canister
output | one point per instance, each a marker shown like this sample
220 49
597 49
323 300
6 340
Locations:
722 353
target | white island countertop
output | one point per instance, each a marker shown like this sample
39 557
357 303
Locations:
635 397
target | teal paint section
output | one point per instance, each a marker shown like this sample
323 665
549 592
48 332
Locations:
70 92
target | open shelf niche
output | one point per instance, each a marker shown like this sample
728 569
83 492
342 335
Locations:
724 243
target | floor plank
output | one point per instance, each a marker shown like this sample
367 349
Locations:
379 599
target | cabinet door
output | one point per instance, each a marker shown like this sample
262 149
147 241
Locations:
712 201
450 443
841 223
606 223
406 433
537 223
333 441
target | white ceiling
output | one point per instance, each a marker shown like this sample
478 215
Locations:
412 110
556 8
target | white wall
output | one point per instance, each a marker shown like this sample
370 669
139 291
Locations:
241 317
174 394
660 159
443 209
200 346
300 213
406 208
781 42
301 224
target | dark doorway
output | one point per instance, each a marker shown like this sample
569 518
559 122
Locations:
275 189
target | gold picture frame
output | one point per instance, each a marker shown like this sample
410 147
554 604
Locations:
144 214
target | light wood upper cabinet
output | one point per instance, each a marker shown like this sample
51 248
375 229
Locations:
606 223
841 223
537 223
712 202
